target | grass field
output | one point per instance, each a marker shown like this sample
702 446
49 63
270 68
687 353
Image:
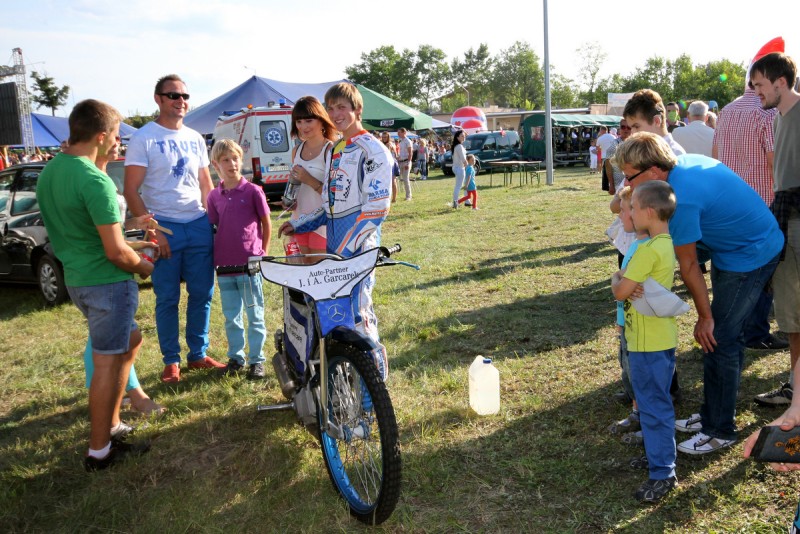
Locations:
525 280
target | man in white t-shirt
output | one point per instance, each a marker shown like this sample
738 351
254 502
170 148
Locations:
405 151
166 173
605 141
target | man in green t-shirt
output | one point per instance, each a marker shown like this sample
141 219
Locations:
79 206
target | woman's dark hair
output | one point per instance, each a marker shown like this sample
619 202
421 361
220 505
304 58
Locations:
456 135
309 107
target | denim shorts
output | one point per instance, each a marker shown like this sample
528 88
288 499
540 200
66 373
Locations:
109 309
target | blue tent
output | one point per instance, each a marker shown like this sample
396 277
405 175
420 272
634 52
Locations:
256 91
50 131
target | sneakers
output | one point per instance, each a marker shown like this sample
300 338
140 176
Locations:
119 451
703 444
206 363
771 342
653 491
692 424
629 424
639 462
121 431
468 202
633 438
777 397
172 373
231 369
256 371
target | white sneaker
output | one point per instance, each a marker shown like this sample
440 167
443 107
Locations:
693 424
703 444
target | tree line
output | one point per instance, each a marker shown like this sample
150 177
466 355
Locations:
514 78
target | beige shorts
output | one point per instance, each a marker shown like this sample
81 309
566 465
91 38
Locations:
786 282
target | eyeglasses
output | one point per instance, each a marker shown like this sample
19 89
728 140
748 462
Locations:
172 95
632 178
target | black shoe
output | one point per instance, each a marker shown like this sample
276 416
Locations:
256 371
677 396
622 397
771 342
231 369
653 491
119 451
639 462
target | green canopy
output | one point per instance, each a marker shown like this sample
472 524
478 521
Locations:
383 113
533 132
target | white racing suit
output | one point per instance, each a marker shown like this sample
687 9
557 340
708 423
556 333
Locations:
358 192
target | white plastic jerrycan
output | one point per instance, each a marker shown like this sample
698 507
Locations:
484 386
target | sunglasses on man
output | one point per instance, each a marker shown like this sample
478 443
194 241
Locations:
172 95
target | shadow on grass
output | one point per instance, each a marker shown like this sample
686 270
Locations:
20 299
556 470
209 473
498 266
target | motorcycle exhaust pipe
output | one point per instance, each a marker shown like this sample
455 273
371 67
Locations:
288 387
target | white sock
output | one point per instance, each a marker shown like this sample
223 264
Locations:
102 453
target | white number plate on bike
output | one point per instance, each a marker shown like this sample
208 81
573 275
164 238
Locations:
325 280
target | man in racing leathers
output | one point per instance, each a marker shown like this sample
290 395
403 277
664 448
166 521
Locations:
358 192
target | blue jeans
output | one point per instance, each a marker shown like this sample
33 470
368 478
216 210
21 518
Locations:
756 328
192 261
460 173
651 376
735 296
233 292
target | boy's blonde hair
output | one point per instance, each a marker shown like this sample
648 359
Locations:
625 193
643 150
658 195
471 157
226 146
345 91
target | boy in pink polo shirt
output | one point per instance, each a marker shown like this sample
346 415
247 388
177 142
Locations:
239 209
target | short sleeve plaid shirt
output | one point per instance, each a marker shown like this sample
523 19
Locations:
743 139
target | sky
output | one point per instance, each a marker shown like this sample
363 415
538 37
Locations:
115 51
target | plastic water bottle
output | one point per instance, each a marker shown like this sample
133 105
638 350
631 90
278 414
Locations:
484 386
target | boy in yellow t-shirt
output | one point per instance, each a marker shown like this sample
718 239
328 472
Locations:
652 340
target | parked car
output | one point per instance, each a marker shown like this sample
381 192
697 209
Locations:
26 255
502 145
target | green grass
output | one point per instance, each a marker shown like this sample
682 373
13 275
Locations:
525 280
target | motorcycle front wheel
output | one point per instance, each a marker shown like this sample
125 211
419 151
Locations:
360 439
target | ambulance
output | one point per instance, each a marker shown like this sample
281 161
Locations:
263 134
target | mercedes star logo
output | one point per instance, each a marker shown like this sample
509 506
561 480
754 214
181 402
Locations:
336 313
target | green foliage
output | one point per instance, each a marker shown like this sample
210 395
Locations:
431 75
515 78
47 94
518 77
591 57
384 70
139 120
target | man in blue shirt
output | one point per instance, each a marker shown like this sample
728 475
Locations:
717 212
